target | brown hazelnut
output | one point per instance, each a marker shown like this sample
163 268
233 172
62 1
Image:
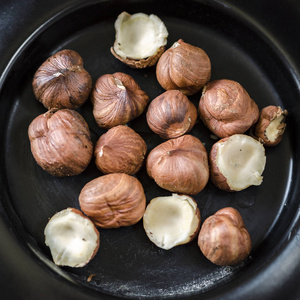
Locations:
72 238
113 200
224 239
170 221
171 114
61 81
271 125
183 67
61 142
117 99
140 39
120 150
179 165
226 108
237 162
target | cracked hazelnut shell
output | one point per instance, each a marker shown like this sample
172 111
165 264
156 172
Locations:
117 99
60 142
226 108
237 162
179 165
113 200
61 81
120 150
224 239
183 67
140 39
72 238
170 221
171 114
271 125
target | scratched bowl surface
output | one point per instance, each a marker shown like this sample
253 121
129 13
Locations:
128 265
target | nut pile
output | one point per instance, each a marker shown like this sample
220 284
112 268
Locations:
61 144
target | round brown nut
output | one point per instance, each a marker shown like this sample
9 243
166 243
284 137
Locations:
61 81
179 165
61 142
120 150
271 125
171 114
117 99
226 108
113 200
183 67
224 239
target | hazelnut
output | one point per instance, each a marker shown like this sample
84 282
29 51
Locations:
72 238
183 67
226 108
179 165
61 142
171 220
113 200
61 81
171 114
237 162
140 39
271 125
224 239
120 150
117 99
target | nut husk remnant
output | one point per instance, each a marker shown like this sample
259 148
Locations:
271 125
237 162
140 39
72 238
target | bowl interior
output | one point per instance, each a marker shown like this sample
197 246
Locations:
127 264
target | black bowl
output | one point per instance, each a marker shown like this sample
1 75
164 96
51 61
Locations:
128 265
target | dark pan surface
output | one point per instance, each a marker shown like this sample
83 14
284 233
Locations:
127 264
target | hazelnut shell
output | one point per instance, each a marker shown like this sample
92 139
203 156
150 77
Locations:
69 228
243 161
140 63
140 39
271 125
170 221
